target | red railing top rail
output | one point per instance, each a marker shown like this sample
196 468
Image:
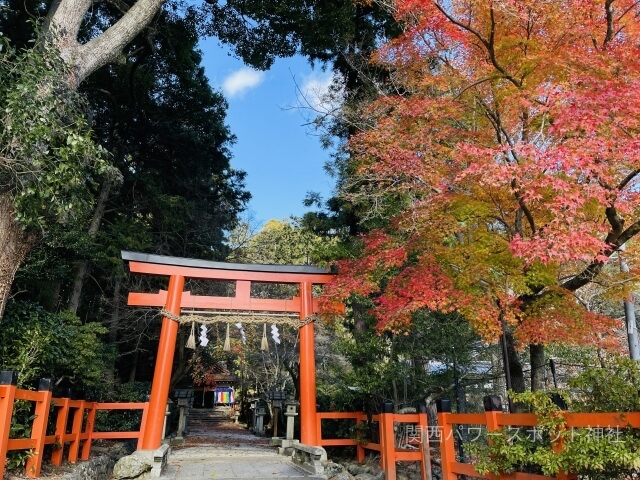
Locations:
573 420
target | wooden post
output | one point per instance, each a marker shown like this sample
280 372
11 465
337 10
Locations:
61 431
164 363
359 448
76 430
558 443
387 441
492 409
425 465
39 428
8 381
447 442
308 425
91 421
143 422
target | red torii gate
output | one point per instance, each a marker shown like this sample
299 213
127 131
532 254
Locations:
172 300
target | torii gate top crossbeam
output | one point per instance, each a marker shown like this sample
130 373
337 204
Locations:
193 268
242 274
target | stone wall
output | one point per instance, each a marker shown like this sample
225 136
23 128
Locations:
100 464
98 467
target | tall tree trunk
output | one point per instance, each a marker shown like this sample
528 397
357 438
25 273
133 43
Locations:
293 369
134 365
15 243
114 321
181 368
515 365
82 269
536 358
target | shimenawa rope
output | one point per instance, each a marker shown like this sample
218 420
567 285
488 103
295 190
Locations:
246 318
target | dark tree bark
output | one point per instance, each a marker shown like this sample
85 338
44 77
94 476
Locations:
536 358
82 269
515 366
15 243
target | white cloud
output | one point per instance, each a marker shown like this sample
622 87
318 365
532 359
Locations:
241 81
315 93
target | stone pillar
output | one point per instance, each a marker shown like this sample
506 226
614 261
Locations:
183 405
167 414
286 444
291 407
260 413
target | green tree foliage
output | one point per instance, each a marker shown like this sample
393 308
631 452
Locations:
38 344
404 367
166 127
49 162
320 30
278 242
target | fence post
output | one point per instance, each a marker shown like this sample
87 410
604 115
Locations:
8 382
387 441
76 431
61 431
318 429
447 442
425 465
492 409
91 420
359 447
558 442
39 428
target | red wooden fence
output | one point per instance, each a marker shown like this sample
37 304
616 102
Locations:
444 433
494 419
75 419
390 452
79 414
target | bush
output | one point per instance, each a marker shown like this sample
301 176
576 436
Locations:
37 343
598 453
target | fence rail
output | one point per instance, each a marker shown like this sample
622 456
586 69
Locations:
74 424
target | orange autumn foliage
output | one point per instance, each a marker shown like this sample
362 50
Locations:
514 153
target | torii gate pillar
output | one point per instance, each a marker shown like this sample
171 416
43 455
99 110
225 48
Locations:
308 424
152 430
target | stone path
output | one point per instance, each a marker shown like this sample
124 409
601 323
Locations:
226 451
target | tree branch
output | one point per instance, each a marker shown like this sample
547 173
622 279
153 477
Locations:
608 7
65 19
628 178
615 220
594 268
523 205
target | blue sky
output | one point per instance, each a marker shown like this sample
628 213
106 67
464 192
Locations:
283 158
